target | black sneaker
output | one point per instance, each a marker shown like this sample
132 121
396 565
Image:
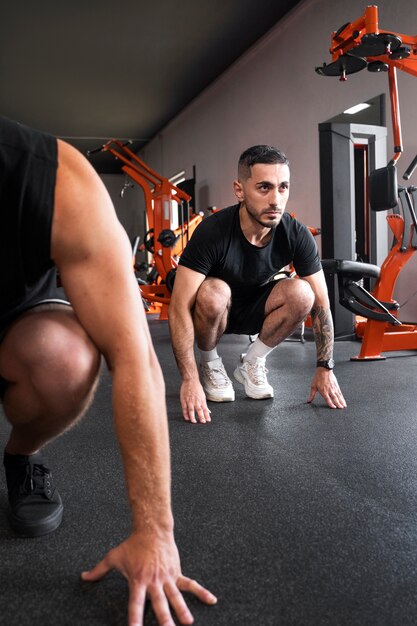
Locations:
36 506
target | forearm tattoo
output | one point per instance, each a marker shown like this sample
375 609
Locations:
323 332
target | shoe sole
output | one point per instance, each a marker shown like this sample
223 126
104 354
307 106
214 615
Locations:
251 394
211 398
38 529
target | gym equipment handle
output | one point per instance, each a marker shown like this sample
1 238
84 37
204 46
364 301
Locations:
89 152
101 148
410 169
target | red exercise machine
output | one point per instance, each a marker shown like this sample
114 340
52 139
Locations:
170 223
355 46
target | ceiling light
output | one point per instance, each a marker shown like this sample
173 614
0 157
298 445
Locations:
358 107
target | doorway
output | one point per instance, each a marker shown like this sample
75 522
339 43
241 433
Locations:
350 231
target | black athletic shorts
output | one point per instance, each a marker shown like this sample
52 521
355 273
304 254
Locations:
247 314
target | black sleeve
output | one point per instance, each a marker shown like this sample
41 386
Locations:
306 255
202 251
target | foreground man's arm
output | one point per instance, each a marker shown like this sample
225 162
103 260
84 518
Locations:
324 381
93 255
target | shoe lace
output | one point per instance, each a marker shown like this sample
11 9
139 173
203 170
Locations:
38 479
257 373
217 375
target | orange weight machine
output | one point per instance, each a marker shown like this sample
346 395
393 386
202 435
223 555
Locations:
355 46
170 224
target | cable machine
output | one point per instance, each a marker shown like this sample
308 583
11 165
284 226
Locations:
355 46
170 223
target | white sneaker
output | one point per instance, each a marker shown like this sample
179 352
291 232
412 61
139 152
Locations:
216 383
252 374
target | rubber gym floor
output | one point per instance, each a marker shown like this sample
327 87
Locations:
292 514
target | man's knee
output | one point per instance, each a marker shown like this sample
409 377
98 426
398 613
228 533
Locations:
213 298
52 356
75 366
296 294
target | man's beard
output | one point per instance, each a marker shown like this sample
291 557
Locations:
263 219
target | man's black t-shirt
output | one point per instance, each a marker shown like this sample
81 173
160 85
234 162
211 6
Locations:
219 248
28 164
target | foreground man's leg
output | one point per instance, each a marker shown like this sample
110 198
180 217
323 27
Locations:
51 368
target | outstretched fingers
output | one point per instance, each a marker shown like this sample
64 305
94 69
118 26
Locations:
177 602
192 586
151 565
164 597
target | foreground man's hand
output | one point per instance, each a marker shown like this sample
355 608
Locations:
151 565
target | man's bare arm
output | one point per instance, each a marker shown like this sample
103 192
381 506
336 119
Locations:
324 380
181 327
193 400
93 255
323 330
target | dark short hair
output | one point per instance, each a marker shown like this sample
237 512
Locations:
259 154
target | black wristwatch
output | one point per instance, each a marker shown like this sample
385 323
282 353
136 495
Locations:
328 365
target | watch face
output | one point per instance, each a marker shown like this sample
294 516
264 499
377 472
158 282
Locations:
330 364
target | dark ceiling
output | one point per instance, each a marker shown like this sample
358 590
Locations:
90 71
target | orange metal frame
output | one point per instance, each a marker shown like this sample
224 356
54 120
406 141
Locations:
349 38
160 198
377 336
